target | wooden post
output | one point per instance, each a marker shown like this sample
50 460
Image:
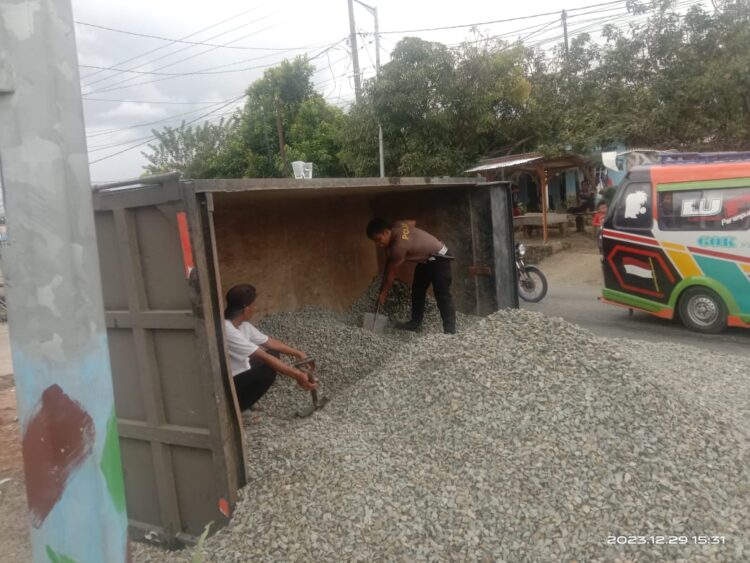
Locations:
541 171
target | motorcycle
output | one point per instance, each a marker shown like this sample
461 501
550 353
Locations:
532 285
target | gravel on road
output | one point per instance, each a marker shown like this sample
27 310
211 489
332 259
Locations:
523 438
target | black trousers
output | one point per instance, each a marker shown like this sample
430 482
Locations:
438 274
252 384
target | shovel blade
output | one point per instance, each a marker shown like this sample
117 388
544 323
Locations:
304 413
375 323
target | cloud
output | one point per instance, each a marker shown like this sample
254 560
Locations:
133 112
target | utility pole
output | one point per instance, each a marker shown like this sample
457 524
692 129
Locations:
355 53
282 141
374 11
61 363
564 19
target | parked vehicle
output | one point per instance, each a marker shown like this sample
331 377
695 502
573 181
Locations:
532 285
676 240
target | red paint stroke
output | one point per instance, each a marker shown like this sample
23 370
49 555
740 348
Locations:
224 507
57 440
187 248
630 261
715 254
649 253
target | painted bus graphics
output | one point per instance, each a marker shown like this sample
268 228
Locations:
676 242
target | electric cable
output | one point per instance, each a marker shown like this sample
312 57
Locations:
154 137
491 22
113 86
178 75
165 46
166 102
99 133
183 49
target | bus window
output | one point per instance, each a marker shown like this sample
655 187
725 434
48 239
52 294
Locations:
705 210
634 207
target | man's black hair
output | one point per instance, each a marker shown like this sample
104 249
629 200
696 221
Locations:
239 297
376 226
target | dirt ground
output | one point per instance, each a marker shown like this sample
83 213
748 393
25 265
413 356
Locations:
580 264
14 539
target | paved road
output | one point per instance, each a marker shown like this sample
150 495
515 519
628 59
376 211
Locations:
577 303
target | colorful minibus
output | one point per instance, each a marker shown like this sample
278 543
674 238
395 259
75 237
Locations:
676 240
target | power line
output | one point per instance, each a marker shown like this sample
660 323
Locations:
491 22
154 137
618 21
139 125
110 86
98 148
202 43
206 70
167 45
176 75
144 140
207 102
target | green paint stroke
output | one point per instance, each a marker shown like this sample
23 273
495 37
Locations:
58 557
111 465
704 185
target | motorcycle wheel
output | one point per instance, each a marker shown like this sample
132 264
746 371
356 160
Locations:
532 285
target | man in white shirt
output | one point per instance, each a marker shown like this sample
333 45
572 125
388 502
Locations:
254 357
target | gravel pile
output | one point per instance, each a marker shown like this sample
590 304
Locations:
344 355
718 382
524 438
397 307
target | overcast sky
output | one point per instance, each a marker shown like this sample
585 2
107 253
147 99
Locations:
266 33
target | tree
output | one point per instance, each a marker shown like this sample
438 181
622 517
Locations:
440 109
315 136
194 151
676 81
281 104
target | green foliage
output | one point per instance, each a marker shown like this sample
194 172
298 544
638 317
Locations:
56 557
315 136
677 80
198 551
248 145
439 109
194 151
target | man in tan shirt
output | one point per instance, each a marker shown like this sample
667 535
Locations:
405 243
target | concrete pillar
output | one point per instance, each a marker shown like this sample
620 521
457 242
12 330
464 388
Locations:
60 357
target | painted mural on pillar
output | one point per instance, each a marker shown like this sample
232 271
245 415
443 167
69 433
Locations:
71 456
57 439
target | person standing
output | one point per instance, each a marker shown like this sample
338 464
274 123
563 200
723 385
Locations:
254 357
406 243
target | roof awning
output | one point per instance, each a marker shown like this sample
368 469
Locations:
505 162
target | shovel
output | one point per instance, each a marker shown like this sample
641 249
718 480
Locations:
317 403
375 322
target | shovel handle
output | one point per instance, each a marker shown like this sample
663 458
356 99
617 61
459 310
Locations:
304 361
313 392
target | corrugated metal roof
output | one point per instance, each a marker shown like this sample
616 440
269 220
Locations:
504 163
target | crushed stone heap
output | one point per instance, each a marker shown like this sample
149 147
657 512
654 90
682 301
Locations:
524 438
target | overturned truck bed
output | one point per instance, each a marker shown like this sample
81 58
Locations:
169 250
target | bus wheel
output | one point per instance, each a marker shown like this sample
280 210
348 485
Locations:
702 310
